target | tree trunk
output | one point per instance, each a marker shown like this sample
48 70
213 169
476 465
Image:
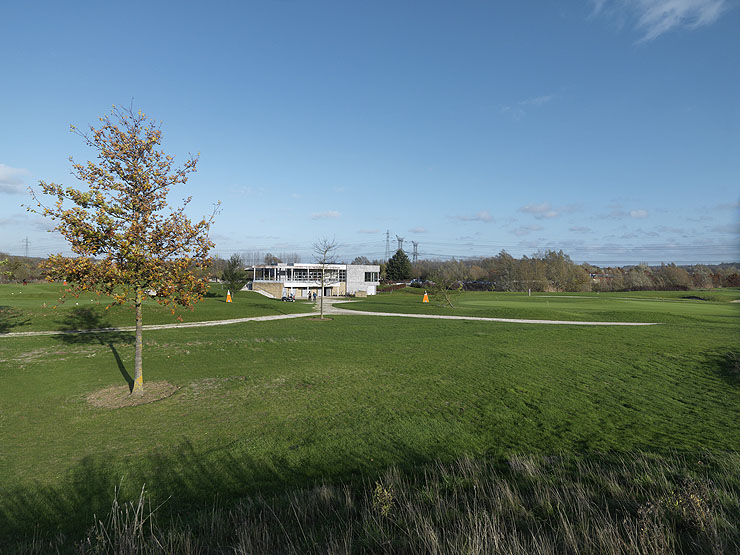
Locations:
322 292
138 387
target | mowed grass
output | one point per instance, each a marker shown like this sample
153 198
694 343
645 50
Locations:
37 307
271 405
689 307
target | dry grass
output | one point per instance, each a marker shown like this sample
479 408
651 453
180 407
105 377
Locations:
119 396
636 504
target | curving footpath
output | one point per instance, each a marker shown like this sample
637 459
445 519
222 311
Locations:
329 308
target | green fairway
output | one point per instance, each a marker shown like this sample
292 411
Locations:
36 307
265 405
632 306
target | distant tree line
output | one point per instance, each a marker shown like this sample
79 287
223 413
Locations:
19 268
555 271
542 271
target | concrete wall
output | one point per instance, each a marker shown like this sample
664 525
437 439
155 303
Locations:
275 289
356 278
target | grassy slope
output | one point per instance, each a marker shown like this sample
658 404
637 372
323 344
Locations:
271 404
31 308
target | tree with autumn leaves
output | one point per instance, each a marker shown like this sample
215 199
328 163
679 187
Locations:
129 242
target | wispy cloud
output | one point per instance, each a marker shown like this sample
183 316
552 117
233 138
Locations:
536 101
328 215
728 206
580 229
728 228
617 212
542 210
21 220
369 231
482 216
11 180
521 108
525 230
656 17
418 230
245 191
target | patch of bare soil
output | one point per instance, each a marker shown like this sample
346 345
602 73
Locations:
118 396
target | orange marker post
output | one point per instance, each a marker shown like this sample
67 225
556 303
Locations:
228 296
426 298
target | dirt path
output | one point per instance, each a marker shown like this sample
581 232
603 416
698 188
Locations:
329 309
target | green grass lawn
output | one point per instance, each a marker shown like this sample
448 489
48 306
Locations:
37 307
633 306
268 405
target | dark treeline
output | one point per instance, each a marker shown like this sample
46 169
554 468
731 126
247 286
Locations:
542 271
555 271
15 269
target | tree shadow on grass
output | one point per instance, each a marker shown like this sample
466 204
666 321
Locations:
179 482
85 326
726 365
10 318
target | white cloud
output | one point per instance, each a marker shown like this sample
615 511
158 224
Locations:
418 230
328 215
669 229
729 228
729 206
537 101
369 231
482 216
11 180
580 229
246 191
638 214
540 211
525 230
517 110
656 17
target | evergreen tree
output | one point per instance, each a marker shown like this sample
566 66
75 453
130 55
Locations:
398 267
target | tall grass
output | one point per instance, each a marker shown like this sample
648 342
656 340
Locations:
640 503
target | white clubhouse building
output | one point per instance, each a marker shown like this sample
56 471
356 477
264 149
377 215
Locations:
302 280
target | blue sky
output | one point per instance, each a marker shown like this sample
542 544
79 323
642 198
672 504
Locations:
610 128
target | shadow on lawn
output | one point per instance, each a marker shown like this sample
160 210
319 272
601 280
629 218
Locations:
181 481
11 318
727 366
77 325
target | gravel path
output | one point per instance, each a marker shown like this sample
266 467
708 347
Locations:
329 309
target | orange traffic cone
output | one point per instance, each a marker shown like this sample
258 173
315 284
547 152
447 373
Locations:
426 298
228 296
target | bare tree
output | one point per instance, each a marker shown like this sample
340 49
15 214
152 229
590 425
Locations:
325 252
448 280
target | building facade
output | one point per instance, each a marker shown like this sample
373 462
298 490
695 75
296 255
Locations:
302 280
